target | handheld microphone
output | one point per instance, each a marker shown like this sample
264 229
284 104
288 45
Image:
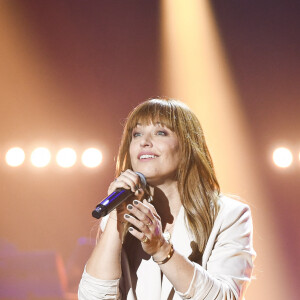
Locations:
115 199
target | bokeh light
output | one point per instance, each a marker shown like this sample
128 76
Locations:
40 157
15 157
91 157
282 157
66 157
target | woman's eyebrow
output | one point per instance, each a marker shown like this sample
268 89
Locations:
156 123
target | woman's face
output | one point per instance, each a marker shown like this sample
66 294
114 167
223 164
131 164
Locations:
154 151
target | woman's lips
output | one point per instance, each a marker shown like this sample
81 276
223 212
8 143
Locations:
147 156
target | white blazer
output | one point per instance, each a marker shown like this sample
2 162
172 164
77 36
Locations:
221 273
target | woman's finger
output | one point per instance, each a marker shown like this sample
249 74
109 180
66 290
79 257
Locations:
127 180
137 223
139 235
142 212
130 178
152 209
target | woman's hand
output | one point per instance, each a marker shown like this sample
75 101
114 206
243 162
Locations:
104 262
128 180
145 218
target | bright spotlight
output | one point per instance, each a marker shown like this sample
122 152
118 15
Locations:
66 157
15 157
91 157
282 157
40 157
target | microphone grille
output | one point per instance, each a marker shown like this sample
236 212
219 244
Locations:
142 179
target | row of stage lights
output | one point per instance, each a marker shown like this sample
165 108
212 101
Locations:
92 157
65 157
283 157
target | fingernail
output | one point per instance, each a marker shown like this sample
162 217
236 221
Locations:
130 229
127 216
129 206
135 202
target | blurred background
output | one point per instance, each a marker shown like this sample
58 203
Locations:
71 71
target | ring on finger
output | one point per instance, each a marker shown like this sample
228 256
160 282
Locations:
145 239
150 223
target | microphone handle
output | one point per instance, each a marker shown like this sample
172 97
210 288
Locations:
111 202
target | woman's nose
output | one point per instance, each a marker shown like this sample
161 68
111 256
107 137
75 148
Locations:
146 140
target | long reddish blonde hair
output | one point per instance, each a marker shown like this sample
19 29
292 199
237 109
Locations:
197 183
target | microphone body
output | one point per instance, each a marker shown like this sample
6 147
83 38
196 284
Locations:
115 199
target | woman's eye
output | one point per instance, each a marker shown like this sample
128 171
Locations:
136 134
161 132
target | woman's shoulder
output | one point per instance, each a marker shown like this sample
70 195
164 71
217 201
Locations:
232 207
231 202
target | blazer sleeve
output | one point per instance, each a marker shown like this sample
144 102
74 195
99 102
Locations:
91 288
229 267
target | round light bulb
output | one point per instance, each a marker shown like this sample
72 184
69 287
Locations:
66 157
15 157
40 157
91 158
282 157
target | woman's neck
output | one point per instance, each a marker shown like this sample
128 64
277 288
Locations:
167 201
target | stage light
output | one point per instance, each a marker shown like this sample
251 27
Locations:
66 157
15 157
282 157
91 157
40 157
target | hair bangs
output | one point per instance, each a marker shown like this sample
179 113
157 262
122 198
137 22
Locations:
153 112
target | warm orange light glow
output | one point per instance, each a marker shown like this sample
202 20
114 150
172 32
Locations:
195 69
91 157
282 157
66 157
40 157
15 157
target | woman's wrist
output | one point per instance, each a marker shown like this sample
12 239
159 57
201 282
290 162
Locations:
164 253
167 258
117 220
